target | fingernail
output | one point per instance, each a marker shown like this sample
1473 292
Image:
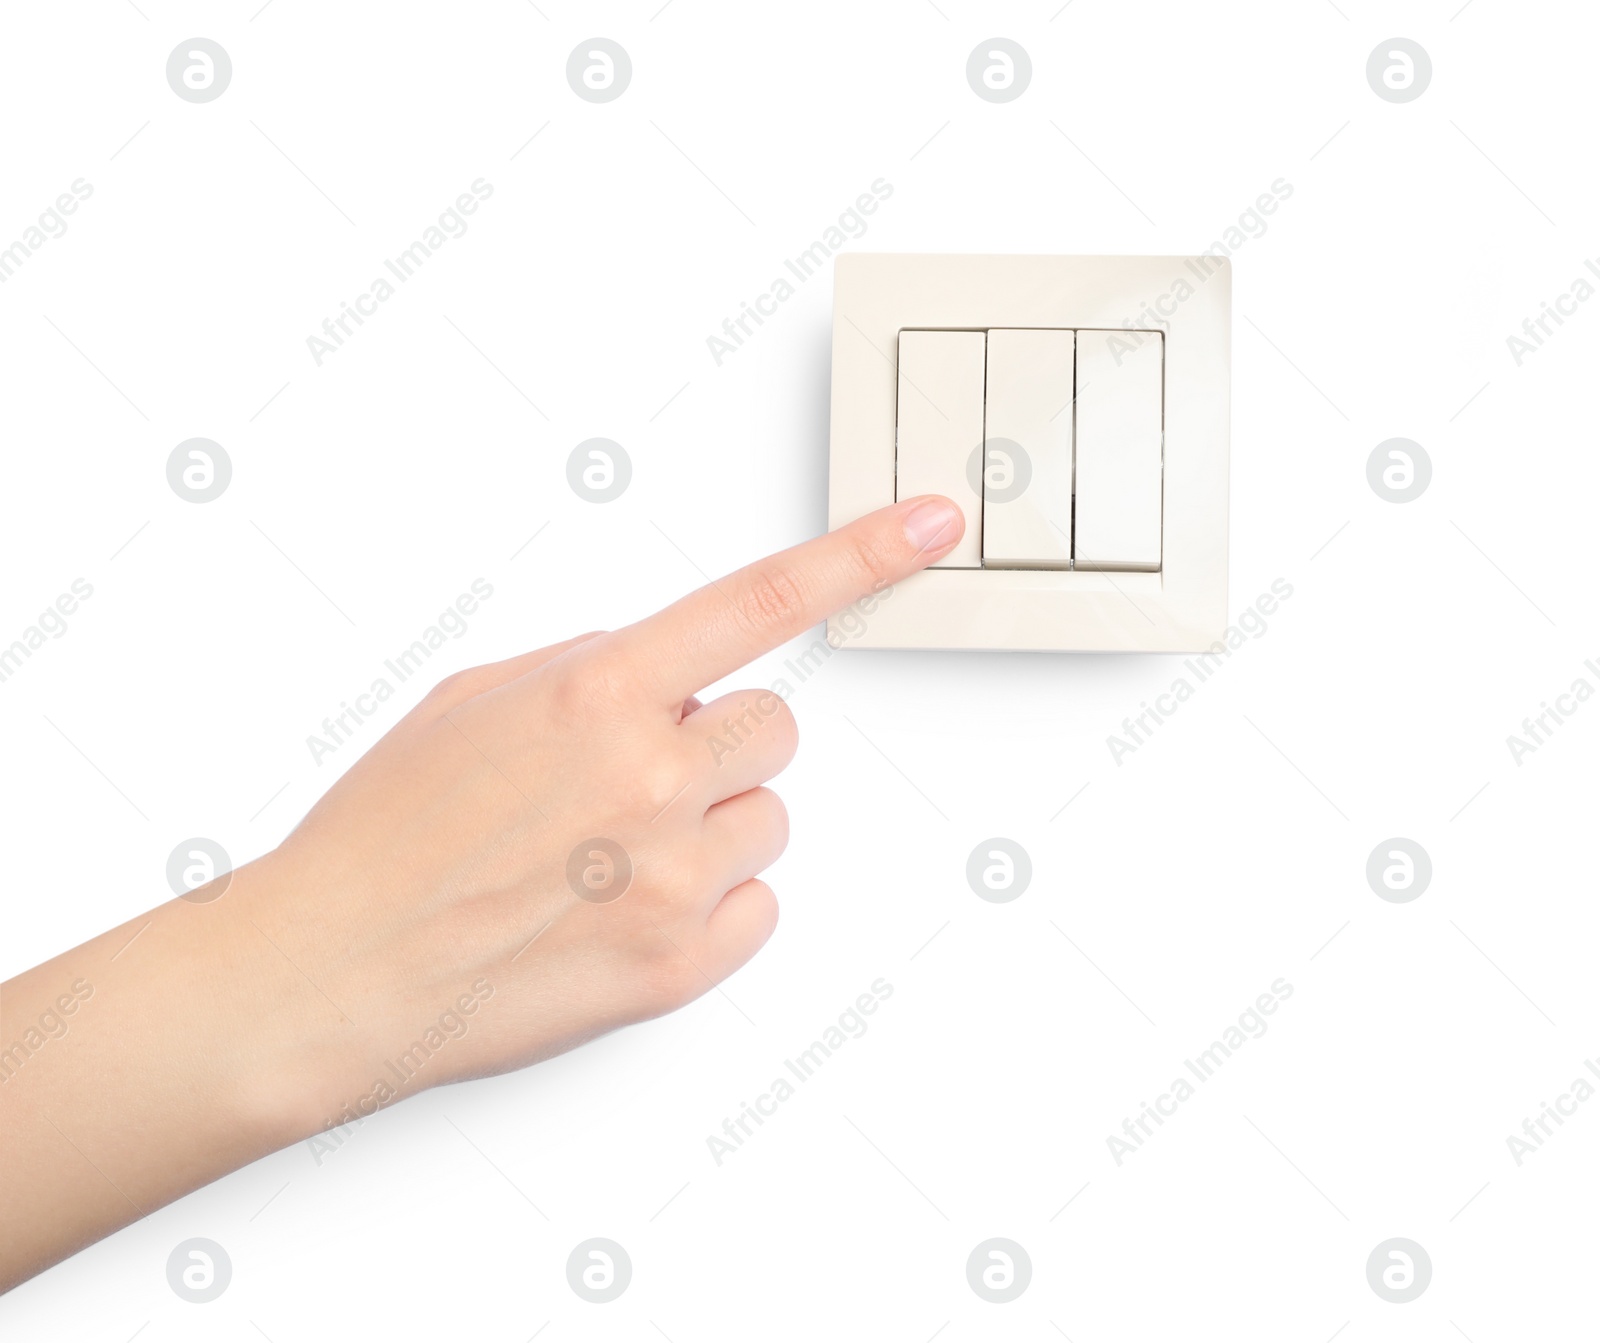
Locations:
934 525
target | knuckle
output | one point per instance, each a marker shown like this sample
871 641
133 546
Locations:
456 687
656 783
569 698
870 560
580 685
669 979
775 597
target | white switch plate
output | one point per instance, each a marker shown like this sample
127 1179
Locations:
1180 608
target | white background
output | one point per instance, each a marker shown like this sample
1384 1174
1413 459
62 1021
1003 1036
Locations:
370 491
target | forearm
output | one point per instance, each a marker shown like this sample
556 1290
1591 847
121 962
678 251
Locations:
145 1063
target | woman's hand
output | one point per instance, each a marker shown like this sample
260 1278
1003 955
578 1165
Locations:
543 850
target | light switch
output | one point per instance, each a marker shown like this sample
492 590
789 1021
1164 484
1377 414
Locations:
939 426
1085 438
1027 464
1119 419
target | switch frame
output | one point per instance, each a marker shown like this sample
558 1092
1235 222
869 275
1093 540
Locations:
1182 607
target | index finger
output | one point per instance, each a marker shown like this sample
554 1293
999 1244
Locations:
713 632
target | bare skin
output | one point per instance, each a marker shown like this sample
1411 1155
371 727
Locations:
448 891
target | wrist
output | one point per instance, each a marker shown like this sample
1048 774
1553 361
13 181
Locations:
150 1061
287 1046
